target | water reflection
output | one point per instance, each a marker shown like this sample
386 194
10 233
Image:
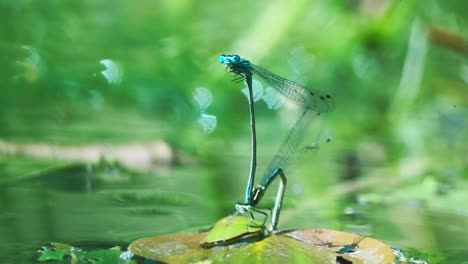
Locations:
113 72
204 98
452 125
363 65
323 136
30 66
270 96
257 91
207 122
95 99
464 73
302 63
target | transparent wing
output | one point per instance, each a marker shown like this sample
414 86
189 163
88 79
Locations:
314 99
289 151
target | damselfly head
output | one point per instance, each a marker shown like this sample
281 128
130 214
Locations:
222 58
229 58
237 65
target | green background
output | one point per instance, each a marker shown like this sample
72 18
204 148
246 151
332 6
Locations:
74 162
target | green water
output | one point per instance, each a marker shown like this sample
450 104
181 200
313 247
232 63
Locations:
100 159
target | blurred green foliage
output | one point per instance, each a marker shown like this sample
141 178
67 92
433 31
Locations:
397 69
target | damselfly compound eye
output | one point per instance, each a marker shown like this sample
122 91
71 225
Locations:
235 58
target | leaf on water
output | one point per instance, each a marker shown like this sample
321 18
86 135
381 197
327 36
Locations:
185 248
55 251
348 246
296 246
51 255
234 229
58 252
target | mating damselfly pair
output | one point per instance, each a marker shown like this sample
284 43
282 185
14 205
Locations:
314 103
